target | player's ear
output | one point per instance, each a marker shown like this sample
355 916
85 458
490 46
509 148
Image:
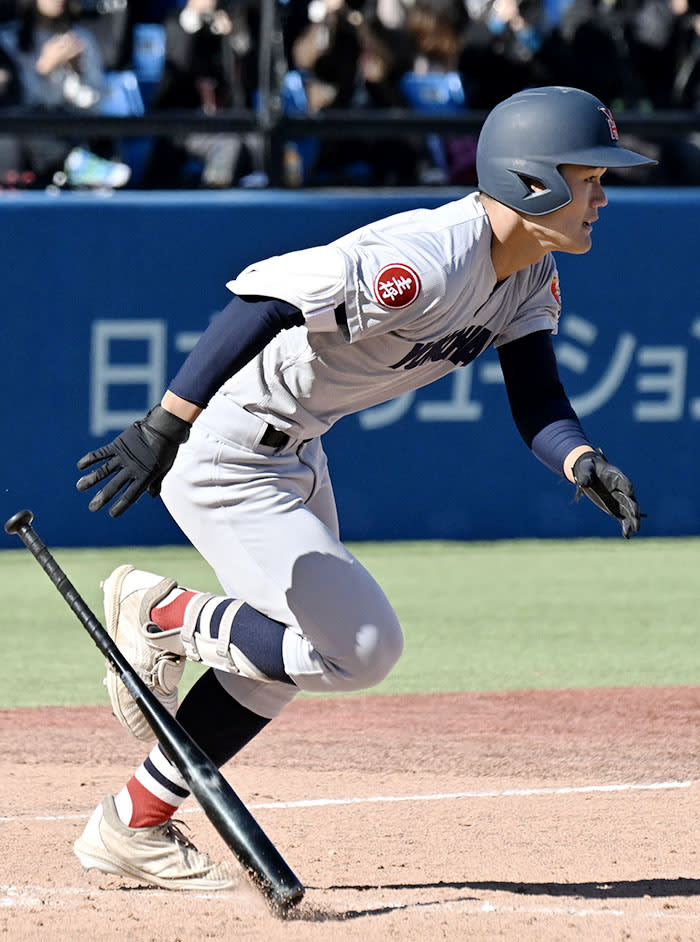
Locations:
533 184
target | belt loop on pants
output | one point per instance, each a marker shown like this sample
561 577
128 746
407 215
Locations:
273 438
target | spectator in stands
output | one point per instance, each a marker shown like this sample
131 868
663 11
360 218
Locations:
613 34
111 22
682 153
653 31
60 69
10 88
352 58
386 54
208 53
686 86
10 94
59 61
436 28
327 51
507 48
8 11
599 31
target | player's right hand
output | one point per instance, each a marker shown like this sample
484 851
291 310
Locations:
136 461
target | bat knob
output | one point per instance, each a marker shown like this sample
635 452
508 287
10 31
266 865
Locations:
18 521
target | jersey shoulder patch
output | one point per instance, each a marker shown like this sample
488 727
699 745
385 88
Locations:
555 289
396 285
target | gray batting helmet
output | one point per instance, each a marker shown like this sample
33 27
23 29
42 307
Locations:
530 135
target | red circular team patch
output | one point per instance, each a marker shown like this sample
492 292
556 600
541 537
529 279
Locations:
556 290
396 285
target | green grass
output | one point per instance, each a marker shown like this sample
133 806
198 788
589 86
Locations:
477 616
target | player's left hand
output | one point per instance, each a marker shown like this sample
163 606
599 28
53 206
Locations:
137 460
608 488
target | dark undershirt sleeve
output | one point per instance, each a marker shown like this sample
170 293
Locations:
541 409
234 337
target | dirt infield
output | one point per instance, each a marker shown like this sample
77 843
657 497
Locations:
530 816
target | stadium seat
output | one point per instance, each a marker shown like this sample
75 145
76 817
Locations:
293 93
300 155
434 91
148 56
554 9
121 98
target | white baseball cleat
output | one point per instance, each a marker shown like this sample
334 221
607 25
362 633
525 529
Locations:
160 856
129 596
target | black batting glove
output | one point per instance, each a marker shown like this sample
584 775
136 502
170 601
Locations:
608 488
136 460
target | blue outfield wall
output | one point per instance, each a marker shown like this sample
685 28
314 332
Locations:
103 297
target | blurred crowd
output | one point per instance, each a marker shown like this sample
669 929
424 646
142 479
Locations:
139 56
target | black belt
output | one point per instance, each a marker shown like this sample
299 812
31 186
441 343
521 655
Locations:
273 438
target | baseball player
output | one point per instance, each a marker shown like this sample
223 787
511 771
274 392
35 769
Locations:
234 448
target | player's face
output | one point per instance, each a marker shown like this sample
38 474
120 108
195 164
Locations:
569 229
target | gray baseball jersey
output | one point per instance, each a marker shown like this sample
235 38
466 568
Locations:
420 298
388 308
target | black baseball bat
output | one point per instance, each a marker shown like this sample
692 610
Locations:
236 825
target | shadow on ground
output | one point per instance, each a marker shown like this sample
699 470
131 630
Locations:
603 889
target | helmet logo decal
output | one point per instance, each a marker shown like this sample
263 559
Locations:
611 123
396 285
